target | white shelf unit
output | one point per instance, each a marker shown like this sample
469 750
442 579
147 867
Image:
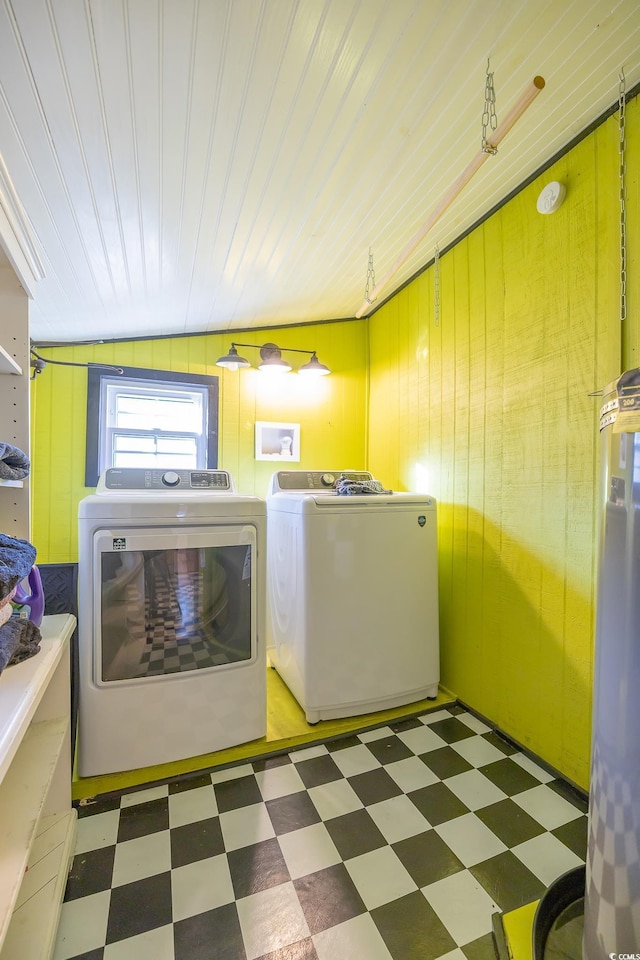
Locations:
37 821
15 504
8 364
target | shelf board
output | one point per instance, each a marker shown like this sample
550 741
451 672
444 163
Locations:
33 927
8 364
22 797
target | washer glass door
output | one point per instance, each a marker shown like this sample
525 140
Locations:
171 600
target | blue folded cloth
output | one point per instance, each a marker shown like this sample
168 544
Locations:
19 639
16 559
14 463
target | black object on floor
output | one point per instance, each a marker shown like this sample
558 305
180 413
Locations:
558 923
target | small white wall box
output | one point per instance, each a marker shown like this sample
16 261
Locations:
551 197
277 441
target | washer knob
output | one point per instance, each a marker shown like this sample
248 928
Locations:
327 479
171 478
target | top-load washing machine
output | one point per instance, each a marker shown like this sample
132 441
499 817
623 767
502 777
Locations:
171 615
352 594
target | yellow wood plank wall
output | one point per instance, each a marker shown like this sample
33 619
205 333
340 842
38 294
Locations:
331 412
489 410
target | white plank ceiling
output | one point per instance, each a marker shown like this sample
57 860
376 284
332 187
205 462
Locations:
176 166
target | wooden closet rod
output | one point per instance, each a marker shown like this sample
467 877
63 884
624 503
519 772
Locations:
516 111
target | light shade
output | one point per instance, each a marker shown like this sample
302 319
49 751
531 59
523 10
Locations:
271 359
232 361
314 367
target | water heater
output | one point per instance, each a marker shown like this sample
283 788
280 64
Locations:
612 894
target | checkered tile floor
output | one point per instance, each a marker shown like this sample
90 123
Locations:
395 844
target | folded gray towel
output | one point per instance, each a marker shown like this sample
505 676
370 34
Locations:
14 463
352 488
16 559
19 640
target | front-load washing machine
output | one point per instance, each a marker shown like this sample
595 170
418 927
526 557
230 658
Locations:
171 617
352 594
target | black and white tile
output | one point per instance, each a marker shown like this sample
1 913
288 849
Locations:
394 844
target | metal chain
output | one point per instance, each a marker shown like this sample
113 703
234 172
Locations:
436 286
370 286
489 117
623 199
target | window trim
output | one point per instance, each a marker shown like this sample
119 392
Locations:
94 379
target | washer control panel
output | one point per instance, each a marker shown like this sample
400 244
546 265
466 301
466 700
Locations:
140 478
314 479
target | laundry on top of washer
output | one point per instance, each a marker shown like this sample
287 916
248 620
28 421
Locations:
349 488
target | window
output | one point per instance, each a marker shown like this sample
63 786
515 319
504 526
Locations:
144 424
150 418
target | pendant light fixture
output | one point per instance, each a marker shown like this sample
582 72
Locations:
232 361
272 361
314 366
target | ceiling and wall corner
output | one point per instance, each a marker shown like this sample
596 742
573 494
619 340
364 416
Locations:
203 166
